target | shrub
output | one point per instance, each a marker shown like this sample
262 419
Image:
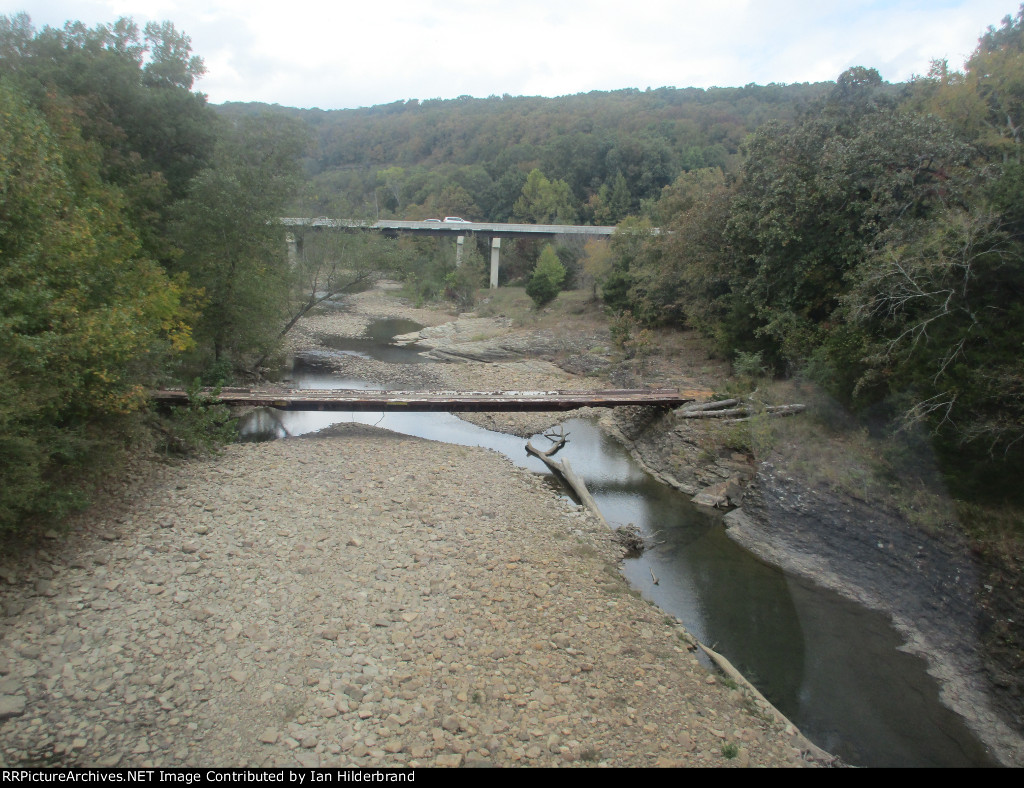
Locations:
546 282
204 426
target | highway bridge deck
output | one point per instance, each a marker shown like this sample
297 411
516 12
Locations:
441 401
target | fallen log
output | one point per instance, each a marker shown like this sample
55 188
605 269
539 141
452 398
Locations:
714 414
785 410
722 403
741 413
773 411
569 476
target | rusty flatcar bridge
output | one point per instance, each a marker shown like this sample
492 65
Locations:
345 400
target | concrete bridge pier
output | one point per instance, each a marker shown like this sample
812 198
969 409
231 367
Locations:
293 249
460 242
495 253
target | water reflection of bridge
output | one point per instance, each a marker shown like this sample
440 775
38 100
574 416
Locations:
459 230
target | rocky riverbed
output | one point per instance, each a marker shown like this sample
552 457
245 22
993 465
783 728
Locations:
936 592
354 598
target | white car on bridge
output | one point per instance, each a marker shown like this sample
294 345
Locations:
455 220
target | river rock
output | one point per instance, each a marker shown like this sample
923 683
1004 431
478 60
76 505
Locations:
11 706
720 496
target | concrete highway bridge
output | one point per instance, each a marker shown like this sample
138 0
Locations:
459 230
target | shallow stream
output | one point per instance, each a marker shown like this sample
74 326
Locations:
832 667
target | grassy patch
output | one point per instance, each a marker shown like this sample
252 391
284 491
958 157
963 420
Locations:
997 531
571 308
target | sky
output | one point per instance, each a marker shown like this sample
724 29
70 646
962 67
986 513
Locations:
337 54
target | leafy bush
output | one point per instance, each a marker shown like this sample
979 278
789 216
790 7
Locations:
749 365
546 282
622 327
203 426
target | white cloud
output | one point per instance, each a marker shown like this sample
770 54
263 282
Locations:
330 54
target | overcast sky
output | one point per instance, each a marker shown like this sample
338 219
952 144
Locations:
335 54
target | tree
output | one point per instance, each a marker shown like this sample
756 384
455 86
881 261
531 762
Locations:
995 73
130 93
685 274
611 204
544 201
171 62
940 307
455 201
547 278
391 182
628 244
597 263
233 246
332 263
86 320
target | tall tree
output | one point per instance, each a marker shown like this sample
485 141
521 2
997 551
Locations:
942 308
131 94
995 73
234 247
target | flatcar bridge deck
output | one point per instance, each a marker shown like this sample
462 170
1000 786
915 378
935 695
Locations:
441 401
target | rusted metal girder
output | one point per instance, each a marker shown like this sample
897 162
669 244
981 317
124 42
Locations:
440 401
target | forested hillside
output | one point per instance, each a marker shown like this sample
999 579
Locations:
602 155
875 244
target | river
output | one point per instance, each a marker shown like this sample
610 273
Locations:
832 667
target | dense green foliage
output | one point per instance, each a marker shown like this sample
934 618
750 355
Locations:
874 243
135 246
598 156
84 315
232 246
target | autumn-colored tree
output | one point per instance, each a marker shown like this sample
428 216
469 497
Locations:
85 318
597 263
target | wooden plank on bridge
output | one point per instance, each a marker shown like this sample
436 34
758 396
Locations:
441 401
